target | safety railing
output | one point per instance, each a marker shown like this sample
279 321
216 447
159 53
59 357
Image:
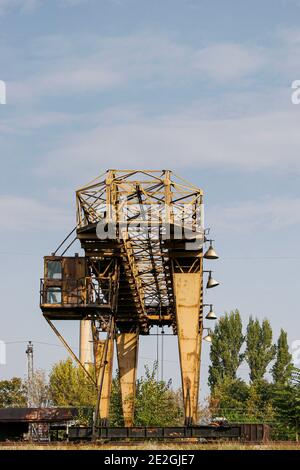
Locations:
88 291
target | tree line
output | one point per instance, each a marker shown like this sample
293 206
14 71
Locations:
67 385
272 393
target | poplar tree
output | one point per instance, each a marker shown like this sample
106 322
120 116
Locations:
259 348
282 369
225 351
287 406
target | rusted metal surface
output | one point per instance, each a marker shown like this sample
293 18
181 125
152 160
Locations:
127 349
105 366
131 275
104 370
153 432
134 270
85 344
37 415
188 288
253 432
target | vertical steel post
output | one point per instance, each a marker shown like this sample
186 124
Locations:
188 288
85 343
106 366
30 386
105 374
30 391
127 350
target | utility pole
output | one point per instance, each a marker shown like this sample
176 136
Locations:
29 352
30 397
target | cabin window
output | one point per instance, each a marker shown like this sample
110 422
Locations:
54 295
54 270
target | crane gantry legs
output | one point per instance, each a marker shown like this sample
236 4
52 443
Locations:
188 295
85 344
127 350
104 368
142 234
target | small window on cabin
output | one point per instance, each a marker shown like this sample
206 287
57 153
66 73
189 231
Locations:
54 270
54 295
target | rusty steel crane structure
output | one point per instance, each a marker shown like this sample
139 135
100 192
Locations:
143 236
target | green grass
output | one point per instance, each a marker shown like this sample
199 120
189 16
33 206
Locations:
153 446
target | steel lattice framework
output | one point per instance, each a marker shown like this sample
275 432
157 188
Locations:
142 233
152 216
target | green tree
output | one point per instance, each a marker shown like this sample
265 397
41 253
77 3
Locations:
229 399
156 403
115 412
240 402
40 389
225 351
69 386
260 401
287 406
12 393
282 368
259 348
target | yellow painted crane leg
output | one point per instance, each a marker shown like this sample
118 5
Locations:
127 350
195 415
107 379
188 293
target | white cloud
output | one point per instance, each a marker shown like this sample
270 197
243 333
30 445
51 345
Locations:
223 62
286 54
28 214
74 2
30 5
258 141
23 5
93 63
72 80
29 122
250 216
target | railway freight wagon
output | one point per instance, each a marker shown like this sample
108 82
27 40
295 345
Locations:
42 424
17 424
254 432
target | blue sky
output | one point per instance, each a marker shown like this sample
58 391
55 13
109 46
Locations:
200 87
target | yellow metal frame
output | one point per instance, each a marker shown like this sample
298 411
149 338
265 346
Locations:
156 279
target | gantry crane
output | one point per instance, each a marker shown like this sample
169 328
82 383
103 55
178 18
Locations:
142 233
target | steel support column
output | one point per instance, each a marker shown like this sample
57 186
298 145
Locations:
127 349
104 370
85 343
188 290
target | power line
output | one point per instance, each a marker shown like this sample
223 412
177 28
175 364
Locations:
17 253
141 357
40 342
261 257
